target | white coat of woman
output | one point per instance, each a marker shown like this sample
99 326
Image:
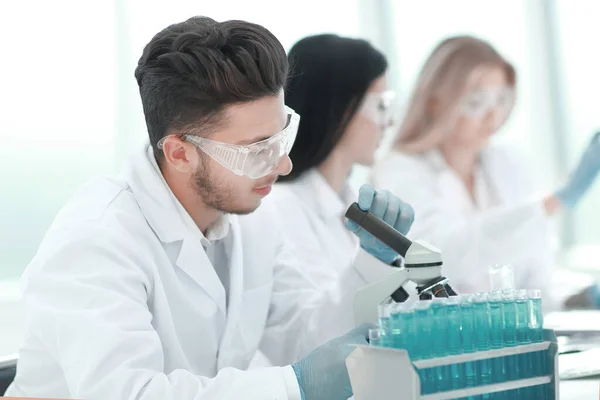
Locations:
339 88
473 200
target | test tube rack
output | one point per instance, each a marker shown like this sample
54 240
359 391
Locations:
379 373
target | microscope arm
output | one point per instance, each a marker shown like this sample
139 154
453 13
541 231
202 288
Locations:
367 299
422 265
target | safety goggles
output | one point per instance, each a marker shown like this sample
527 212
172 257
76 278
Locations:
256 160
378 107
479 103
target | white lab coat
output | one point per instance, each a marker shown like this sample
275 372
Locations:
122 302
507 225
312 214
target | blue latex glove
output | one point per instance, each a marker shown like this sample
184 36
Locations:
322 375
388 207
593 293
583 176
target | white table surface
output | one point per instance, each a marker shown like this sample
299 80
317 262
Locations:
580 389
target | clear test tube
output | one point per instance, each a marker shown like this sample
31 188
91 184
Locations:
501 277
384 324
374 337
536 317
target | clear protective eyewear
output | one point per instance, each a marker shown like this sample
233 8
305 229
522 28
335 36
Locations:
255 160
479 103
378 107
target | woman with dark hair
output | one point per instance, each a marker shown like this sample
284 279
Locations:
338 87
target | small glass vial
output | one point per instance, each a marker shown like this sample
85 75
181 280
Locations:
501 277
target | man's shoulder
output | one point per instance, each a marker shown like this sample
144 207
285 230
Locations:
94 198
100 228
104 206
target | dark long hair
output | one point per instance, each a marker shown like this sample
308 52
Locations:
330 76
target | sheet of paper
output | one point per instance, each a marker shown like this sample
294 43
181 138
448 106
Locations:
571 322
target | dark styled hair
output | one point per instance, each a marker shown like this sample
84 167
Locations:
331 75
190 71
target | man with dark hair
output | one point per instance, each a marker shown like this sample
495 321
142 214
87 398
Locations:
151 286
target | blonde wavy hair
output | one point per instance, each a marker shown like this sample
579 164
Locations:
444 78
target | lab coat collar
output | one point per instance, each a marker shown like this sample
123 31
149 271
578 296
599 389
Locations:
313 188
171 223
450 182
156 199
436 159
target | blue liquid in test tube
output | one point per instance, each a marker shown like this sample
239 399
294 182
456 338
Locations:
525 360
410 328
440 341
397 326
481 314
457 371
468 340
509 309
497 340
536 334
424 345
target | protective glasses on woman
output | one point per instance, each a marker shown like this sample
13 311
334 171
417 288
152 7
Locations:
254 161
480 102
378 107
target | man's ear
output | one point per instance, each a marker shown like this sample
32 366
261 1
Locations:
179 154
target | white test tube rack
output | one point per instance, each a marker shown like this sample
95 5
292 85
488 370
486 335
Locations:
380 373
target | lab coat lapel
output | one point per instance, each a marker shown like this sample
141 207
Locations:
194 262
171 223
504 186
233 340
448 184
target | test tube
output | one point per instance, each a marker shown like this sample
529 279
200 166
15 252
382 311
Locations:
525 360
468 341
374 337
440 341
411 330
497 339
536 317
501 277
509 309
536 334
424 348
457 372
481 313
397 326
384 324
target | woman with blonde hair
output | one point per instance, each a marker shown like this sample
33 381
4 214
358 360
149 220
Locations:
473 200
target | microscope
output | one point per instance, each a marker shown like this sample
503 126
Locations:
422 265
